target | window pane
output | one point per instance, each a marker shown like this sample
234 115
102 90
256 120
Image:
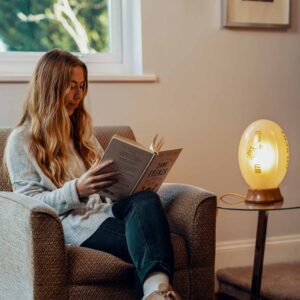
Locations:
73 25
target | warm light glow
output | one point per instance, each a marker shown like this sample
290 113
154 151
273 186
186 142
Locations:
263 155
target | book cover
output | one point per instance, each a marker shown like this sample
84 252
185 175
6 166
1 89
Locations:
140 168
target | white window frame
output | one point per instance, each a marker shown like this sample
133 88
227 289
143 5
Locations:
123 62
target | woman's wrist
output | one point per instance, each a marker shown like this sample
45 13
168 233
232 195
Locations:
80 197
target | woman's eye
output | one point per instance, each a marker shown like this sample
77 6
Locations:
82 87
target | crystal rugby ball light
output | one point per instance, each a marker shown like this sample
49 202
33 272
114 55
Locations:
263 160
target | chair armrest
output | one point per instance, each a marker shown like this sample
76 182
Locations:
32 243
191 212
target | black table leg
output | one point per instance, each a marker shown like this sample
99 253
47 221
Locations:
259 254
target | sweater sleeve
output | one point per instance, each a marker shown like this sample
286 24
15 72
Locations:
28 179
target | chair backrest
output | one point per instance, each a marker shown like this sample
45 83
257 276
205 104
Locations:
4 180
102 133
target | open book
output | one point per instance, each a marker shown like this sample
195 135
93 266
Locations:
140 168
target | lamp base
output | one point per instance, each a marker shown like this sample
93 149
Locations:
264 196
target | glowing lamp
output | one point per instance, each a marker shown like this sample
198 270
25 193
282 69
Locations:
263 160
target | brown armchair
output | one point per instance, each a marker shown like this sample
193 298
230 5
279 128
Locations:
35 263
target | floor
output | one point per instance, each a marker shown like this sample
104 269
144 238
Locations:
223 297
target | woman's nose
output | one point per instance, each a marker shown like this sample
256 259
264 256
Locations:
78 93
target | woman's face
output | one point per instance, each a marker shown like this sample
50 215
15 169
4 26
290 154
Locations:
76 92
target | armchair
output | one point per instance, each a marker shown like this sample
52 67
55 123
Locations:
35 263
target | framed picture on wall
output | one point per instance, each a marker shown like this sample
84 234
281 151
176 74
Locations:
256 13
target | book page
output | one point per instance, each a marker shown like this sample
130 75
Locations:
130 161
157 170
130 142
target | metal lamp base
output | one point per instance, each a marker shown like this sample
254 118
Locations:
264 196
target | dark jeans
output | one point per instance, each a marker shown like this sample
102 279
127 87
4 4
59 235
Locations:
138 234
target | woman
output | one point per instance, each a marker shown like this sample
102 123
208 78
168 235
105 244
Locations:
53 156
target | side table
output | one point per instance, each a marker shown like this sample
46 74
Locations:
261 233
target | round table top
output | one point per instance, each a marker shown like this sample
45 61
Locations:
234 203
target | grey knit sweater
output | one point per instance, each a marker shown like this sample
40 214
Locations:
80 219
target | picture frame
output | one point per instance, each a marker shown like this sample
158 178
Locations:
256 13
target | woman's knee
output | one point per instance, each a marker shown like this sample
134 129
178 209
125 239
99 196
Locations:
146 198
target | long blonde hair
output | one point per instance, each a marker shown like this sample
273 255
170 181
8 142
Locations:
49 124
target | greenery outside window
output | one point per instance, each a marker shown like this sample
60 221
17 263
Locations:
105 33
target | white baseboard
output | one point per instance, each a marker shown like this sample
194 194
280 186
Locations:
241 253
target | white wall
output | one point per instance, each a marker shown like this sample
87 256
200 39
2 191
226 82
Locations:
213 82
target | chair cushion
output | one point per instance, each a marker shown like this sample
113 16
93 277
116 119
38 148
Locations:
90 266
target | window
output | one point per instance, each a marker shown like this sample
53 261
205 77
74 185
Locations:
105 33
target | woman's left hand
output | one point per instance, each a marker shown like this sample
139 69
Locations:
92 181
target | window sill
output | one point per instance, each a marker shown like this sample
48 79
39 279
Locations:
145 78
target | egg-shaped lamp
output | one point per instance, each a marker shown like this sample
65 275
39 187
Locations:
263 160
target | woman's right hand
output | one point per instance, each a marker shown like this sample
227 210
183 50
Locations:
92 182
